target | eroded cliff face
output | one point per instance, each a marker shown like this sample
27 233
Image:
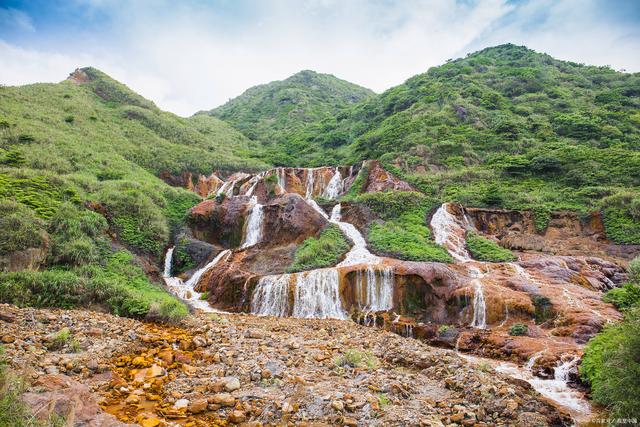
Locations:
554 287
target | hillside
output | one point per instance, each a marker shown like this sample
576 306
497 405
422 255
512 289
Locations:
277 114
80 193
504 127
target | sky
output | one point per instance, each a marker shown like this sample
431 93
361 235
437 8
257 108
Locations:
193 55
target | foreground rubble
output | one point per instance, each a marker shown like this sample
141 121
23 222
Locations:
221 369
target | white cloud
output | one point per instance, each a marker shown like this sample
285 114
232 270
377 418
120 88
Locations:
188 57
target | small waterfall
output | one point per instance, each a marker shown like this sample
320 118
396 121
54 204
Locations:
449 232
336 213
271 296
532 360
374 289
168 261
253 232
254 182
317 295
185 290
227 188
193 280
282 179
479 306
556 389
334 188
309 184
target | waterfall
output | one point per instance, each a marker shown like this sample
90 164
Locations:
479 306
317 295
374 289
336 213
309 184
253 232
193 280
282 179
168 260
254 182
227 188
334 188
449 232
271 296
185 290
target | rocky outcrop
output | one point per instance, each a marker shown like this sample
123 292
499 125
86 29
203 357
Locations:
566 233
28 259
381 180
220 223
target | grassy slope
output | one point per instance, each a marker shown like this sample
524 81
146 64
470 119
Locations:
68 147
505 127
281 113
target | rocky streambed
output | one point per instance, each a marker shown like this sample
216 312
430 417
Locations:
221 369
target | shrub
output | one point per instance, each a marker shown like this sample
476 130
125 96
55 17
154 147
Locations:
408 238
624 297
356 359
543 308
611 365
358 184
487 250
134 216
518 329
634 270
60 339
324 251
49 288
392 204
20 228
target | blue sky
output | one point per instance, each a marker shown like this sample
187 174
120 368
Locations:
191 55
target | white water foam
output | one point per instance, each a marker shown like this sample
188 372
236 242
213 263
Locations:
253 231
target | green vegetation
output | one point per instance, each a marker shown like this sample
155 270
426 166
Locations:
518 329
610 363
353 358
21 228
504 127
625 297
323 251
484 249
289 117
544 308
116 283
404 233
60 339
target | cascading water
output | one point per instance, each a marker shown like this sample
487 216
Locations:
271 296
317 295
374 289
449 232
358 254
556 389
334 188
253 232
479 306
309 184
282 179
185 290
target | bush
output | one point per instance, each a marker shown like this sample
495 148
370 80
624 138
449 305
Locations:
391 204
518 329
544 308
487 250
634 270
20 228
408 238
49 288
324 251
120 285
611 365
138 221
624 297
356 359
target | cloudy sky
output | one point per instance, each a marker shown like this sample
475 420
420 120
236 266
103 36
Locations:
191 55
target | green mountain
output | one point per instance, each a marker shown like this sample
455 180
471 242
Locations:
79 167
279 114
505 127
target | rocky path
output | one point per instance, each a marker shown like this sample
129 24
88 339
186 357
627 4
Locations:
240 369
